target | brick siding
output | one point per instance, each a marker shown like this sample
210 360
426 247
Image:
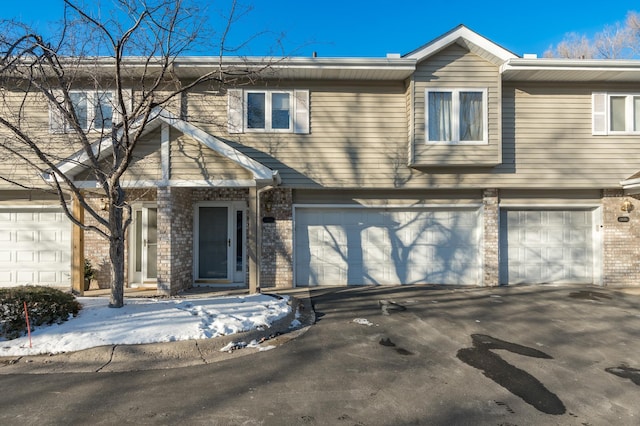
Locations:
621 240
277 239
491 259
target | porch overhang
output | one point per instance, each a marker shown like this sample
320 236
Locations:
261 174
631 185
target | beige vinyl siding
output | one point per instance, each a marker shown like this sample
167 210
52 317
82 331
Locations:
144 166
553 138
455 67
31 113
146 163
207 109
358 136
192 160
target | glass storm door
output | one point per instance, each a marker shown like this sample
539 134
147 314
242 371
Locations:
220 243
145 245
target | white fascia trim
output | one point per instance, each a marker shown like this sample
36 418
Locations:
458 33
405 64
184 183
630 183
538 64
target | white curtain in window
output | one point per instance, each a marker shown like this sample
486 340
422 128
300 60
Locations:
471 116
618 113
439 116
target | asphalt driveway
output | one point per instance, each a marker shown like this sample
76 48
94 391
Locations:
414 355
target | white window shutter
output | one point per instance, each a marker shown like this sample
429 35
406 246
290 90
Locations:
235 111
301 114
56 117
599 113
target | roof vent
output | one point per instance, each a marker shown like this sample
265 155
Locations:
393 56
530 56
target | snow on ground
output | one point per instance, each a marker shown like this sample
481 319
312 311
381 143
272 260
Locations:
150 321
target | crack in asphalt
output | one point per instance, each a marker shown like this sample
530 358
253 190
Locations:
204 361
113 350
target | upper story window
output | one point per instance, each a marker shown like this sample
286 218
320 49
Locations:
456 115
268 111
616 113
94 112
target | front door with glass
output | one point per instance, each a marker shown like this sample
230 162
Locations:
219 243
144 245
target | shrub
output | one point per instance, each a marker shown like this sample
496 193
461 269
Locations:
45 305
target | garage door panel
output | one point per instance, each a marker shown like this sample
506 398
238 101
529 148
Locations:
551 246
37 247
387 246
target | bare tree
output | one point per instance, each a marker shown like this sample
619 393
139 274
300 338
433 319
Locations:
618 41
614 42
134 45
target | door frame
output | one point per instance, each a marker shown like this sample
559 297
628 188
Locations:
140 278
236 276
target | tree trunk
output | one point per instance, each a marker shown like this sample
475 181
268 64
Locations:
116 251
116 255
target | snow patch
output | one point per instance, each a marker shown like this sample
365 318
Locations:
151 321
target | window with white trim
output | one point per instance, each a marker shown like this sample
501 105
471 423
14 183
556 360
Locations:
284 111
94 112
456 116
615 113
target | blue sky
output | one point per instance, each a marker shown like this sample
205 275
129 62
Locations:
334 28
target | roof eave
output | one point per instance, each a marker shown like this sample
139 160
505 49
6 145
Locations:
585 70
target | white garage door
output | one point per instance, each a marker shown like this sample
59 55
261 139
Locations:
35 246
352 246
546 246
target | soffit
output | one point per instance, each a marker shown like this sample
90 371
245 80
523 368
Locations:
571 70
302 68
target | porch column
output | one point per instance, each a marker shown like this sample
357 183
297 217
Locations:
253 240
77 248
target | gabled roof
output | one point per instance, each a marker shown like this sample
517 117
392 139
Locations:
74 163
468 39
